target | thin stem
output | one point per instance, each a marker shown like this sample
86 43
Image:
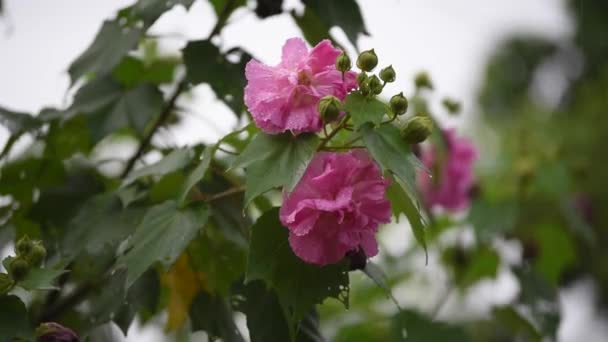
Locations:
222 18
226 193
164 115
334 132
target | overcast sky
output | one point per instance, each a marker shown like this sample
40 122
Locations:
450 39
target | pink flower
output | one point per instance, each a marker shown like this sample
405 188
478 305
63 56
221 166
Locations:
336 207
285 97
452 179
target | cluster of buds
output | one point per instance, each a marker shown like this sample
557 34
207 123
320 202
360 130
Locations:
30 253
413 131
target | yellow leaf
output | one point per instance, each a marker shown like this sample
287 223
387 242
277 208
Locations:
183 285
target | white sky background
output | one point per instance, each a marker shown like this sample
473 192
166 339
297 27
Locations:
450 39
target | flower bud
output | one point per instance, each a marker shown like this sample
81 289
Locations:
375 86
23 246
399 104
388 74
367 60
422 80
343 62
18 269
417 129
452 106
53 332
361 78
364 87
329 108
37 255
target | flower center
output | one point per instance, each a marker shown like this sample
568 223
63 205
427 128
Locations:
304 78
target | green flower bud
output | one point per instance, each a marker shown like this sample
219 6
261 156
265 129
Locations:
422 80
364 87
23 246
18 269
375 85
399 104
329 108
388 74
37 256
343 63
417 129
361 78
367 60
452 106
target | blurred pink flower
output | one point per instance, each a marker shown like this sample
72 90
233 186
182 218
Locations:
336 207
285 97
452 179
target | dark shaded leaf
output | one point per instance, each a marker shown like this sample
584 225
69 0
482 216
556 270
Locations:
267 8
163 234
17 122
206 64
111 44
108 107
345 14
300 286
197 174
174 161
213 315
14 321
100 222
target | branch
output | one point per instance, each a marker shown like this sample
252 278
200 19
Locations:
164 115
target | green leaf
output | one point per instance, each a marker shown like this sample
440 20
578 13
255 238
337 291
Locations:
132 71
111 44
413 327
163 234
517 324
311 26
402 203
363 110
472 266
150 10
14 320
214 315
225 7
108 107
197 174
206 64
392 153
375 273
100 222
220 260
345 14
17 123
42 278
300 286
174 161
275 161
483 216
557 250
